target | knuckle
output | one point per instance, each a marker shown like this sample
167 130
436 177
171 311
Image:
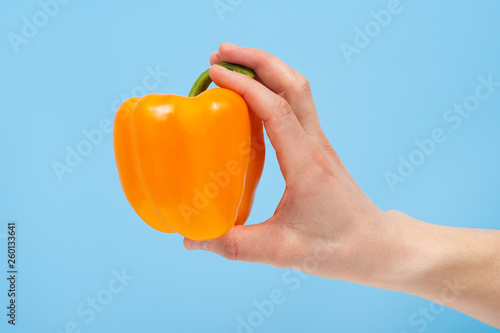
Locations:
301 83
320 159
283 107
230 250
318 169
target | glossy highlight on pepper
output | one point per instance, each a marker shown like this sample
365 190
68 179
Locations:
190 164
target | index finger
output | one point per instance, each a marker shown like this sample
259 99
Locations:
287 136
277 76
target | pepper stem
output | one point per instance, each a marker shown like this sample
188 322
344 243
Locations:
201 84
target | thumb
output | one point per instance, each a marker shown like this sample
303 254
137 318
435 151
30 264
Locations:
263 242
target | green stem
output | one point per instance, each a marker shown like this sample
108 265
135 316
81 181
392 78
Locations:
201 84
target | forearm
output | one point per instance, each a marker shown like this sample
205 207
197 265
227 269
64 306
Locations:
455 267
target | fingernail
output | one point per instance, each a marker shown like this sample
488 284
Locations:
197 245
231 45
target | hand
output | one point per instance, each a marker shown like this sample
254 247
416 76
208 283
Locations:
324 225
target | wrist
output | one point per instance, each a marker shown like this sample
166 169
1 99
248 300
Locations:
408 253
455 267
440 263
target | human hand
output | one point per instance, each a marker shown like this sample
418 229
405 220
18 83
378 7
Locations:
324 225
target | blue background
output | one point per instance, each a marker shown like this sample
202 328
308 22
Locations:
74 233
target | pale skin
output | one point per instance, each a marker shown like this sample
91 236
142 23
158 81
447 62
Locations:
326 226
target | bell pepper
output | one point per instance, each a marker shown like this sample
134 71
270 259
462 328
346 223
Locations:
190 164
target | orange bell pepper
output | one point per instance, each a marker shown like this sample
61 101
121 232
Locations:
190 164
